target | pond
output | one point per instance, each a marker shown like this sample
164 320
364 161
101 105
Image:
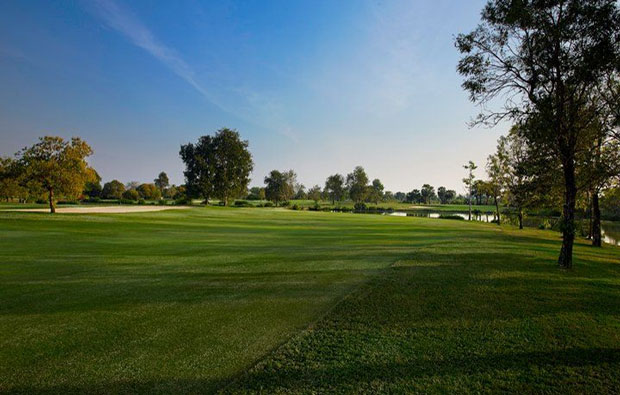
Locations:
610 231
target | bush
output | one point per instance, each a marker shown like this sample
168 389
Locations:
242 203
141 201
268 204
127 201
285 204
295 207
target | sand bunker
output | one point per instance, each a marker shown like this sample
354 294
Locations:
102 209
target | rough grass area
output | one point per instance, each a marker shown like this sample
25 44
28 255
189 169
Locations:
273 300
468 310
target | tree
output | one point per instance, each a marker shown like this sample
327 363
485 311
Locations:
280 186
450 195
92 188
199 170
113 190
496 170
131 194
314 193
217 166
549 59
334 187
162 182
300 192
11 180
400 196
388 196
375 192
148 192
428 193
132 185
57 166
414 196
469 182
357 184
441 194
256 193
233 165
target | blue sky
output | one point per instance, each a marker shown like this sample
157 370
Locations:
316 86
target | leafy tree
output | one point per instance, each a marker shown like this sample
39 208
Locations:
93 188
57 166
113 190
334 187
469 182
280 186
148 192
217 166
256 193
131 194
550 60
415 196
233 165
400 196
441 194
162 182
11 180
375 192
450 195
428 193
496 170
314 193
357 184
388 196
199 171
300 192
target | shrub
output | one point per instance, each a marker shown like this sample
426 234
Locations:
285 204
268 204
242 203
141 201
295 207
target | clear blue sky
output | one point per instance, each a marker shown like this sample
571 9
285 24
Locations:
316 86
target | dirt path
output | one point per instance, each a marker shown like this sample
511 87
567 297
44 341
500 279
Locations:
102 209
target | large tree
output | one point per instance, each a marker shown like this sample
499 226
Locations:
469 182
334 187
217 166
113 190
496 170
547 59
11 180
357 184
280 186
57 166
162 182
375 191
233 165
428 193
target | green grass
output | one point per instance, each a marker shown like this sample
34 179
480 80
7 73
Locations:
266 300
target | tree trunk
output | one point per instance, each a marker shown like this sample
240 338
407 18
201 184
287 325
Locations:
499 220
520 218
469 206
565 259
51 200
596 221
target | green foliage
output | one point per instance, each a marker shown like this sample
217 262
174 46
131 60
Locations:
280 186
131 195
357 184
217 166
149 192
113 190
162 182
335 187
314 193
56 166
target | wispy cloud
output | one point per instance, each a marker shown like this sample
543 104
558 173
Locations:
121 19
